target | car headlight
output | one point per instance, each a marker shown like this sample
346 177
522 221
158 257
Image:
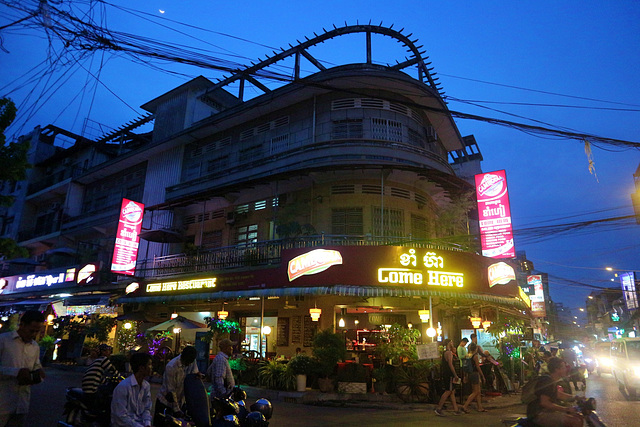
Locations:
605 361
636 371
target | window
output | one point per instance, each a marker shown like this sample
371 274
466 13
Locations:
419 227
393 222
343 189
218 164
347 129
258 206
388 130
346 221
251 153
279 143
212 239
247 234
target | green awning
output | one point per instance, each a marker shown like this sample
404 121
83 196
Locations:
339 290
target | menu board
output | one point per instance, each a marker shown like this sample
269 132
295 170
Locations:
296 330
309 331
283 332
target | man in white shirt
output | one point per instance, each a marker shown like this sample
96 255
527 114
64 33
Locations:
171 395
131 404
19 368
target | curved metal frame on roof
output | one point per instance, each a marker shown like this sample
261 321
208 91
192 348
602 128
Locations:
336 290
416 58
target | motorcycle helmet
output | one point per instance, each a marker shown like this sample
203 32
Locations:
263 406
229 420
238 394
223 407
255 419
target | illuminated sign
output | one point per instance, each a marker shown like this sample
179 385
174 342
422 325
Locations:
86 274
398 276
500 273
54 278
524 297
629 290
538 308
182 285
312 262
615 317
125 252
495 215
3 283
132 287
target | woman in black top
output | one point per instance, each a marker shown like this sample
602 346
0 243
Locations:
474 380
449 378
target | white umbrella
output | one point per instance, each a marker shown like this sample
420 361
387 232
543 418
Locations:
179 322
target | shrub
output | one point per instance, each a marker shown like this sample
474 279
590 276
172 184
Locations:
301 365
328 349
276 376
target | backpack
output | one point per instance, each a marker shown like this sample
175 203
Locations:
467 366
529 391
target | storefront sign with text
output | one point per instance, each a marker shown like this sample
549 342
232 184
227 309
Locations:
431 277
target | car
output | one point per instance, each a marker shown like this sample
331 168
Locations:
625 365
602 355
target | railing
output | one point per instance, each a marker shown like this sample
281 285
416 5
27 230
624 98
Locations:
55 178
265 253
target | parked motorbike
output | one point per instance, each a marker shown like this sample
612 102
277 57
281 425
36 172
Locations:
223 412
82 411
586 407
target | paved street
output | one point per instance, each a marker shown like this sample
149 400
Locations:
48 400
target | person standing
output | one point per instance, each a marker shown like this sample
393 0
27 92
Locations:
474 379
131 404
462 350
219 372
19 368
171 394
449 378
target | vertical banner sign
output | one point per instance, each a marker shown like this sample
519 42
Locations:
125 252
629 290
495 215
538 308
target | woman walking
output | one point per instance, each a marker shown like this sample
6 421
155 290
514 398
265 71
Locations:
474 380
449 378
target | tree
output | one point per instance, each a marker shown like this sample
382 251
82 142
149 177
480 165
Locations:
13 156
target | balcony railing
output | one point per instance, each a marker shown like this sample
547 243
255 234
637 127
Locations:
265 253
55 178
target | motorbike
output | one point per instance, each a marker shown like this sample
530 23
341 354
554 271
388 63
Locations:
82 411
584 406
223 412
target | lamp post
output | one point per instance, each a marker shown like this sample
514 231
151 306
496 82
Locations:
266 330
177 331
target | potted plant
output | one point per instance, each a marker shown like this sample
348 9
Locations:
301 366
275 375
328 349
384 379
46 348
352 378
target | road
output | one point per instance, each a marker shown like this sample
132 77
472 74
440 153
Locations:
48 399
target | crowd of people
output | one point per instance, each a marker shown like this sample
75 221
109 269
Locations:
131 403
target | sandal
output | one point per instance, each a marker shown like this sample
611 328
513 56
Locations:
466 411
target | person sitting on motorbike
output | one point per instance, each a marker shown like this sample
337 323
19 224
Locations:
219 372
97 375
131 405
546 410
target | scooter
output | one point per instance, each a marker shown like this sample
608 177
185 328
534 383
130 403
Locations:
79 411
229 411
586 407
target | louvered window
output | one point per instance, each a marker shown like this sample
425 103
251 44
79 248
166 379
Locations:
346 221
347 129
393 221
399 192
419 227
216 165
343 189
371 189
279 143
388 130
212 239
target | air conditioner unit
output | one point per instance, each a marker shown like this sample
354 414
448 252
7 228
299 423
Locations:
432 135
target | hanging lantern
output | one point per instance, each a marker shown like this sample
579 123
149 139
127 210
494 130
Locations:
424 315
315 313
222 314
174 315
475 321
486 324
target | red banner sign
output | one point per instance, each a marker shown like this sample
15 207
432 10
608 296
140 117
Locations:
495 215
125 253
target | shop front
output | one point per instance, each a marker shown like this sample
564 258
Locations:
358 290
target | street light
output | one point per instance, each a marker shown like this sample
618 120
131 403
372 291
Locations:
266 330
177 331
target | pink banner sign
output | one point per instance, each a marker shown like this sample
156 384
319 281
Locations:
494 215
125 252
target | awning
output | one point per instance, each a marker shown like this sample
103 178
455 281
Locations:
28 304
86 300
340 290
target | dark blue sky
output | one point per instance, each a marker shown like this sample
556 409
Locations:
483 51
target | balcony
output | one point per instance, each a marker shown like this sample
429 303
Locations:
55 178
264 253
